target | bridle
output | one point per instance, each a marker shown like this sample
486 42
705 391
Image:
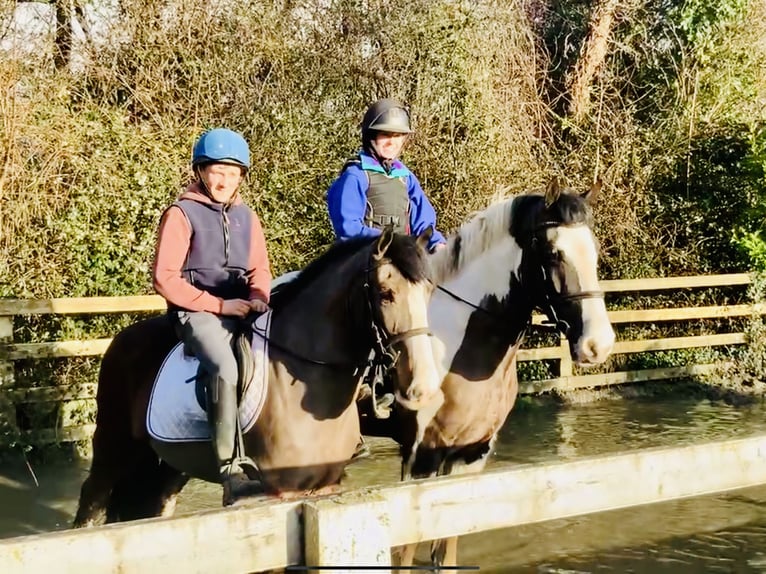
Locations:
550 297
382 356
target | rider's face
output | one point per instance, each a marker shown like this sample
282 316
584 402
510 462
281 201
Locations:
222 180
389 145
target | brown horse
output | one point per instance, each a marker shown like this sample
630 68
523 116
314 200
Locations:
361 303
530 251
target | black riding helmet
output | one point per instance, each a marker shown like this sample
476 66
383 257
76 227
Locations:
385 115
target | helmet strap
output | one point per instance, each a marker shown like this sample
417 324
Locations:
206 189
202 182
386 163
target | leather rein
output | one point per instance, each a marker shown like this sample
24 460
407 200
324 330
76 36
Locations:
550 295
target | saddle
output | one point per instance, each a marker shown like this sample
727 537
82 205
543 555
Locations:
243 341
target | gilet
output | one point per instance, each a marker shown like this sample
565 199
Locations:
219 252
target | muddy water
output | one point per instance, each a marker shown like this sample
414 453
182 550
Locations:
721 533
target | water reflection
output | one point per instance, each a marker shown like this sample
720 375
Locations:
725 532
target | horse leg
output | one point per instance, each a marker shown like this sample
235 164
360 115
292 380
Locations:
149 491
173 484
403 557
113 457
444 552
94 498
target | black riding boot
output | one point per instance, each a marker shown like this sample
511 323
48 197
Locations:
237 471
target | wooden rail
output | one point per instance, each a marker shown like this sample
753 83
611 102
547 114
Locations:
11 351
358 528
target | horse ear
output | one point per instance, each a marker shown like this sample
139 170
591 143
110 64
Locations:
552 192
383 242
591 195
425 236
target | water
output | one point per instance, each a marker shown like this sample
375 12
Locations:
717 533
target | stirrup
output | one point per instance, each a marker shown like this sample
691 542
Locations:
382 405
247 465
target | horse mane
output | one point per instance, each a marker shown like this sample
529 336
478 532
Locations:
411 261
403 253
516 216
472 239
338 251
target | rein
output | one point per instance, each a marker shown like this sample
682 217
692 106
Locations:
382 356
549 293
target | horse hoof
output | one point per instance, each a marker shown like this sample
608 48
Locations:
239 486
362 451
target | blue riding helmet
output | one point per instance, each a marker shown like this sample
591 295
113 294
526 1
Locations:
221 145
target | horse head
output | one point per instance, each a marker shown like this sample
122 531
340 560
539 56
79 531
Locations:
559 268
399 297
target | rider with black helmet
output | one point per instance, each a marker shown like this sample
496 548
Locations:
375 188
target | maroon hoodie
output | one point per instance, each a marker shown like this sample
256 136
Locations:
172 249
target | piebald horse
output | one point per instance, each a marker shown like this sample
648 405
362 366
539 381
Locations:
531 251
362 302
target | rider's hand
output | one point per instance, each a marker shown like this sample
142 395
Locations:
258 306
439 247
235 307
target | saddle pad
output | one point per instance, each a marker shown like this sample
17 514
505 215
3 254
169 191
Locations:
174 415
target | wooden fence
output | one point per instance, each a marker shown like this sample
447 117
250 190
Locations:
356 530
566 380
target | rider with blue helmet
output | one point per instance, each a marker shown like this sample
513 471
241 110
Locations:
212 268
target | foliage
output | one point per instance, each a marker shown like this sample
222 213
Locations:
745 374
91 155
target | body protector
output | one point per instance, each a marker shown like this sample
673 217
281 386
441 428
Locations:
387 200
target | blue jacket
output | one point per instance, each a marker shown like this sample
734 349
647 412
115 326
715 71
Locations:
347 201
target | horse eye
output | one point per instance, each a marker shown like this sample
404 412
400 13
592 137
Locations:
553 257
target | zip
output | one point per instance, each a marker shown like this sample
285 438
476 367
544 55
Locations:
225 225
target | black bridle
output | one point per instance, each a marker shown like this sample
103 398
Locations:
382 356
551 298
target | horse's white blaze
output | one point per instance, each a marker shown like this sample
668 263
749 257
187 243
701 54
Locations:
487 274
579 248
426 382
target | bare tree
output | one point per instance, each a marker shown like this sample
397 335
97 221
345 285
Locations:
592 55
67 13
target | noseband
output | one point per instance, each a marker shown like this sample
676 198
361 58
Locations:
383 357
550 296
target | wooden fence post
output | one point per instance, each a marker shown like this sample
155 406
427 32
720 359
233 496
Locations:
351 529
565 360
8 431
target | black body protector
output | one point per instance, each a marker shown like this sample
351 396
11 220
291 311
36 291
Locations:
387 200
